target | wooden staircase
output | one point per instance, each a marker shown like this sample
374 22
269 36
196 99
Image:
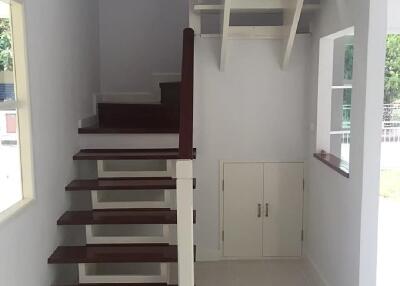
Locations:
150 118
135 241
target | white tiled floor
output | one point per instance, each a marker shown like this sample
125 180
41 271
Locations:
251 273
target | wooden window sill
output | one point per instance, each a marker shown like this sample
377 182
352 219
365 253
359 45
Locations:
335 163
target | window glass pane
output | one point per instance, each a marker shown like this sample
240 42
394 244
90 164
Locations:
348 62
10 164
346 124
341 97
339 112
346 109
6 55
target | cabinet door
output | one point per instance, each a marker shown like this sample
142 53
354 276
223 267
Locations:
283 203
243 197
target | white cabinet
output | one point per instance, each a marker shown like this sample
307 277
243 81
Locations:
283 200
262 209
243 221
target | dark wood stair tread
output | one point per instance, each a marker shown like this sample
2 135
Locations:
170 93
105 184
169 84
114 254
119 216
121 284
96 129
122 184
128 154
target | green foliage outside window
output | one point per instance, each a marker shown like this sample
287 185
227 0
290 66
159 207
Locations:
348 62
392 69
348 75
392 79
6 55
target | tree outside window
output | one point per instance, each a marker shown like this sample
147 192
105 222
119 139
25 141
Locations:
6 56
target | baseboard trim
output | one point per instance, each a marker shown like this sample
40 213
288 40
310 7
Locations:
207 254
313 273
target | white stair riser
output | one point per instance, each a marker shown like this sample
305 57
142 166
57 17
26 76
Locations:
163 277
168 202
169 171
93 239
128 141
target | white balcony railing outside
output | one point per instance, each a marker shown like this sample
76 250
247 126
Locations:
389 135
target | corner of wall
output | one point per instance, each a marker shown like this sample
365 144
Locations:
312 271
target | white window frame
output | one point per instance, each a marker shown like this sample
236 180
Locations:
22 106
325 88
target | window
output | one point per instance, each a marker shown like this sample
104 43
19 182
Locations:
334 97
16 180
341 97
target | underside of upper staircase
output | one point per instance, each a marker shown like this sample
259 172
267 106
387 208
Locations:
253 19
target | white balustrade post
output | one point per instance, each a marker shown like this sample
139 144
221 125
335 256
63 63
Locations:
184 199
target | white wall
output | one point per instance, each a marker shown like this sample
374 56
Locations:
393 16
251 111
63 69
342 213
138 38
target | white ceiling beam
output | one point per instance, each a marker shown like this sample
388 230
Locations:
256 32
244 7
257 4
291 17
251 33
310 7
208 8
224 32
241 5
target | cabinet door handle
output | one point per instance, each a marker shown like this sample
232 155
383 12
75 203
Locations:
259 210
266 210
